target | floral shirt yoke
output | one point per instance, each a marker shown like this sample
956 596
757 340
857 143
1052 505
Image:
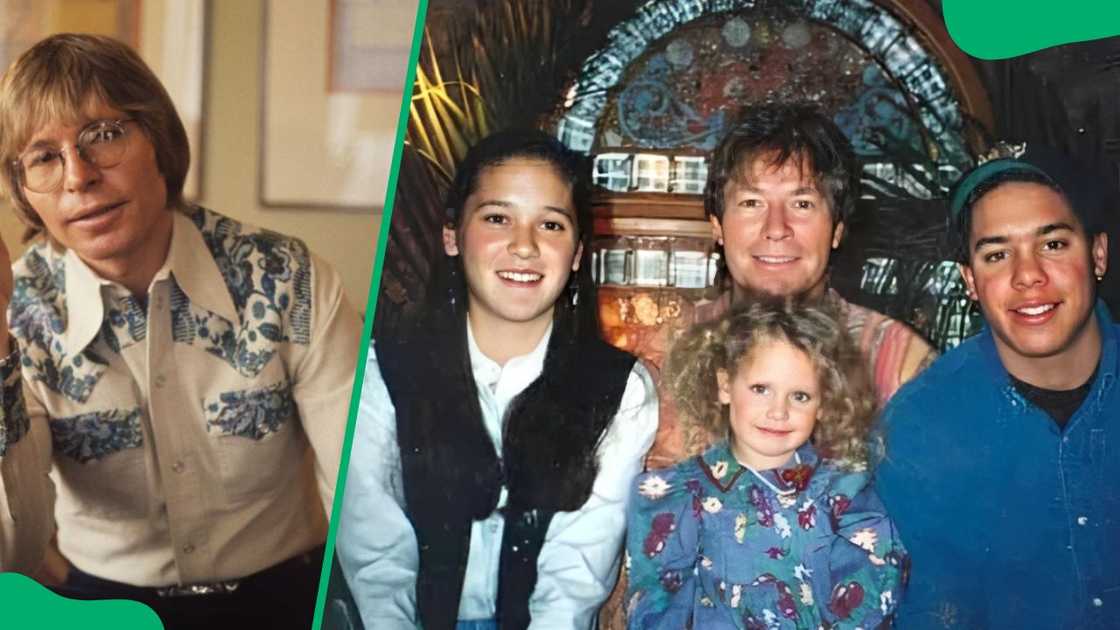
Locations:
713 544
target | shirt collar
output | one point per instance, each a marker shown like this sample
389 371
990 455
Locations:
528 367
188 260
1107 366
196 271
84 306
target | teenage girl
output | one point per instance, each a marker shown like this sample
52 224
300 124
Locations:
497 440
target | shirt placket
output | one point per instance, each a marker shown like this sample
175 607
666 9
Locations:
169 412
1080 464
488 382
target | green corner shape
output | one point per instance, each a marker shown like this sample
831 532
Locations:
30 605
998 29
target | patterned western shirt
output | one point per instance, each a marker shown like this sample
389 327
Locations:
186 428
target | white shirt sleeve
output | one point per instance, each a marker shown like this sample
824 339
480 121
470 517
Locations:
578 563
376 544
323 376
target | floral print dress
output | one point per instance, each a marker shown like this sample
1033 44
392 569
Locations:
712 545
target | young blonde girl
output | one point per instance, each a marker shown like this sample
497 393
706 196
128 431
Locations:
774 527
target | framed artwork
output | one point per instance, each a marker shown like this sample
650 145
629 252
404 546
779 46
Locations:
365 56
170 35
333 77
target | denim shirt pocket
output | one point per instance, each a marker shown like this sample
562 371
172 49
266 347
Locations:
254 438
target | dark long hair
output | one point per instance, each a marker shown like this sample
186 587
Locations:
441 328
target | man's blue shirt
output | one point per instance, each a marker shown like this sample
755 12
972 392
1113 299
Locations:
1011 521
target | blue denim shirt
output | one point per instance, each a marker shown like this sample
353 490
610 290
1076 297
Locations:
1010 521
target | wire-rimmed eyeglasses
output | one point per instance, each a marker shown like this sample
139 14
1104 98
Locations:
102 143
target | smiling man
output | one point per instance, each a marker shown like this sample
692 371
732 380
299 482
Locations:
1002 463
781 186
185 377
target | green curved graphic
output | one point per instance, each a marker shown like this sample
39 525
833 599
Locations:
40 609
998 29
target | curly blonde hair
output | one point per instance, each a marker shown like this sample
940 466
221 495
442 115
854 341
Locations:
847 412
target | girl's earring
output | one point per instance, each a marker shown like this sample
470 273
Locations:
573 292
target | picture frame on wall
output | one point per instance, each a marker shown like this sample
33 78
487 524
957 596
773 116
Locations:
328 125
364 56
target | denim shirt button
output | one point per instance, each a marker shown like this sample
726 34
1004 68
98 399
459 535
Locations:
1097 602
1081 520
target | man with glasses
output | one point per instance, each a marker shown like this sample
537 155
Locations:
186 376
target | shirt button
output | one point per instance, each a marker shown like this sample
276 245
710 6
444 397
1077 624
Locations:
178 466
159 303
1081 520
188 548
1097 602
161 380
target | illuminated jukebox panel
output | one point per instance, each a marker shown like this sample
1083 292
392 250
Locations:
654 260
653 102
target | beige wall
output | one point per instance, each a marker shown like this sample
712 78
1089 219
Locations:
230 156
231 146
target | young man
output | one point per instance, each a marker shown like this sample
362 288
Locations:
780 187
496 442
1001 464
187 376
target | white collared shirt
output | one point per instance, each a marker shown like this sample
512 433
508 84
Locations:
578 563
186 432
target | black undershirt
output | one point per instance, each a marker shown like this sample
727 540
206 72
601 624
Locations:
1059 404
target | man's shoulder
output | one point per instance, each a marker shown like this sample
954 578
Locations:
860 317
269 275
230 239
959 370
39 276
39 259
253 260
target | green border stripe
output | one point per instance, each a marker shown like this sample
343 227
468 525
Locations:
371 305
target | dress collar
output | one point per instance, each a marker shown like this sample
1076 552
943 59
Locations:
723 470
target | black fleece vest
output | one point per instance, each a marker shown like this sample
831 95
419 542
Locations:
452 476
